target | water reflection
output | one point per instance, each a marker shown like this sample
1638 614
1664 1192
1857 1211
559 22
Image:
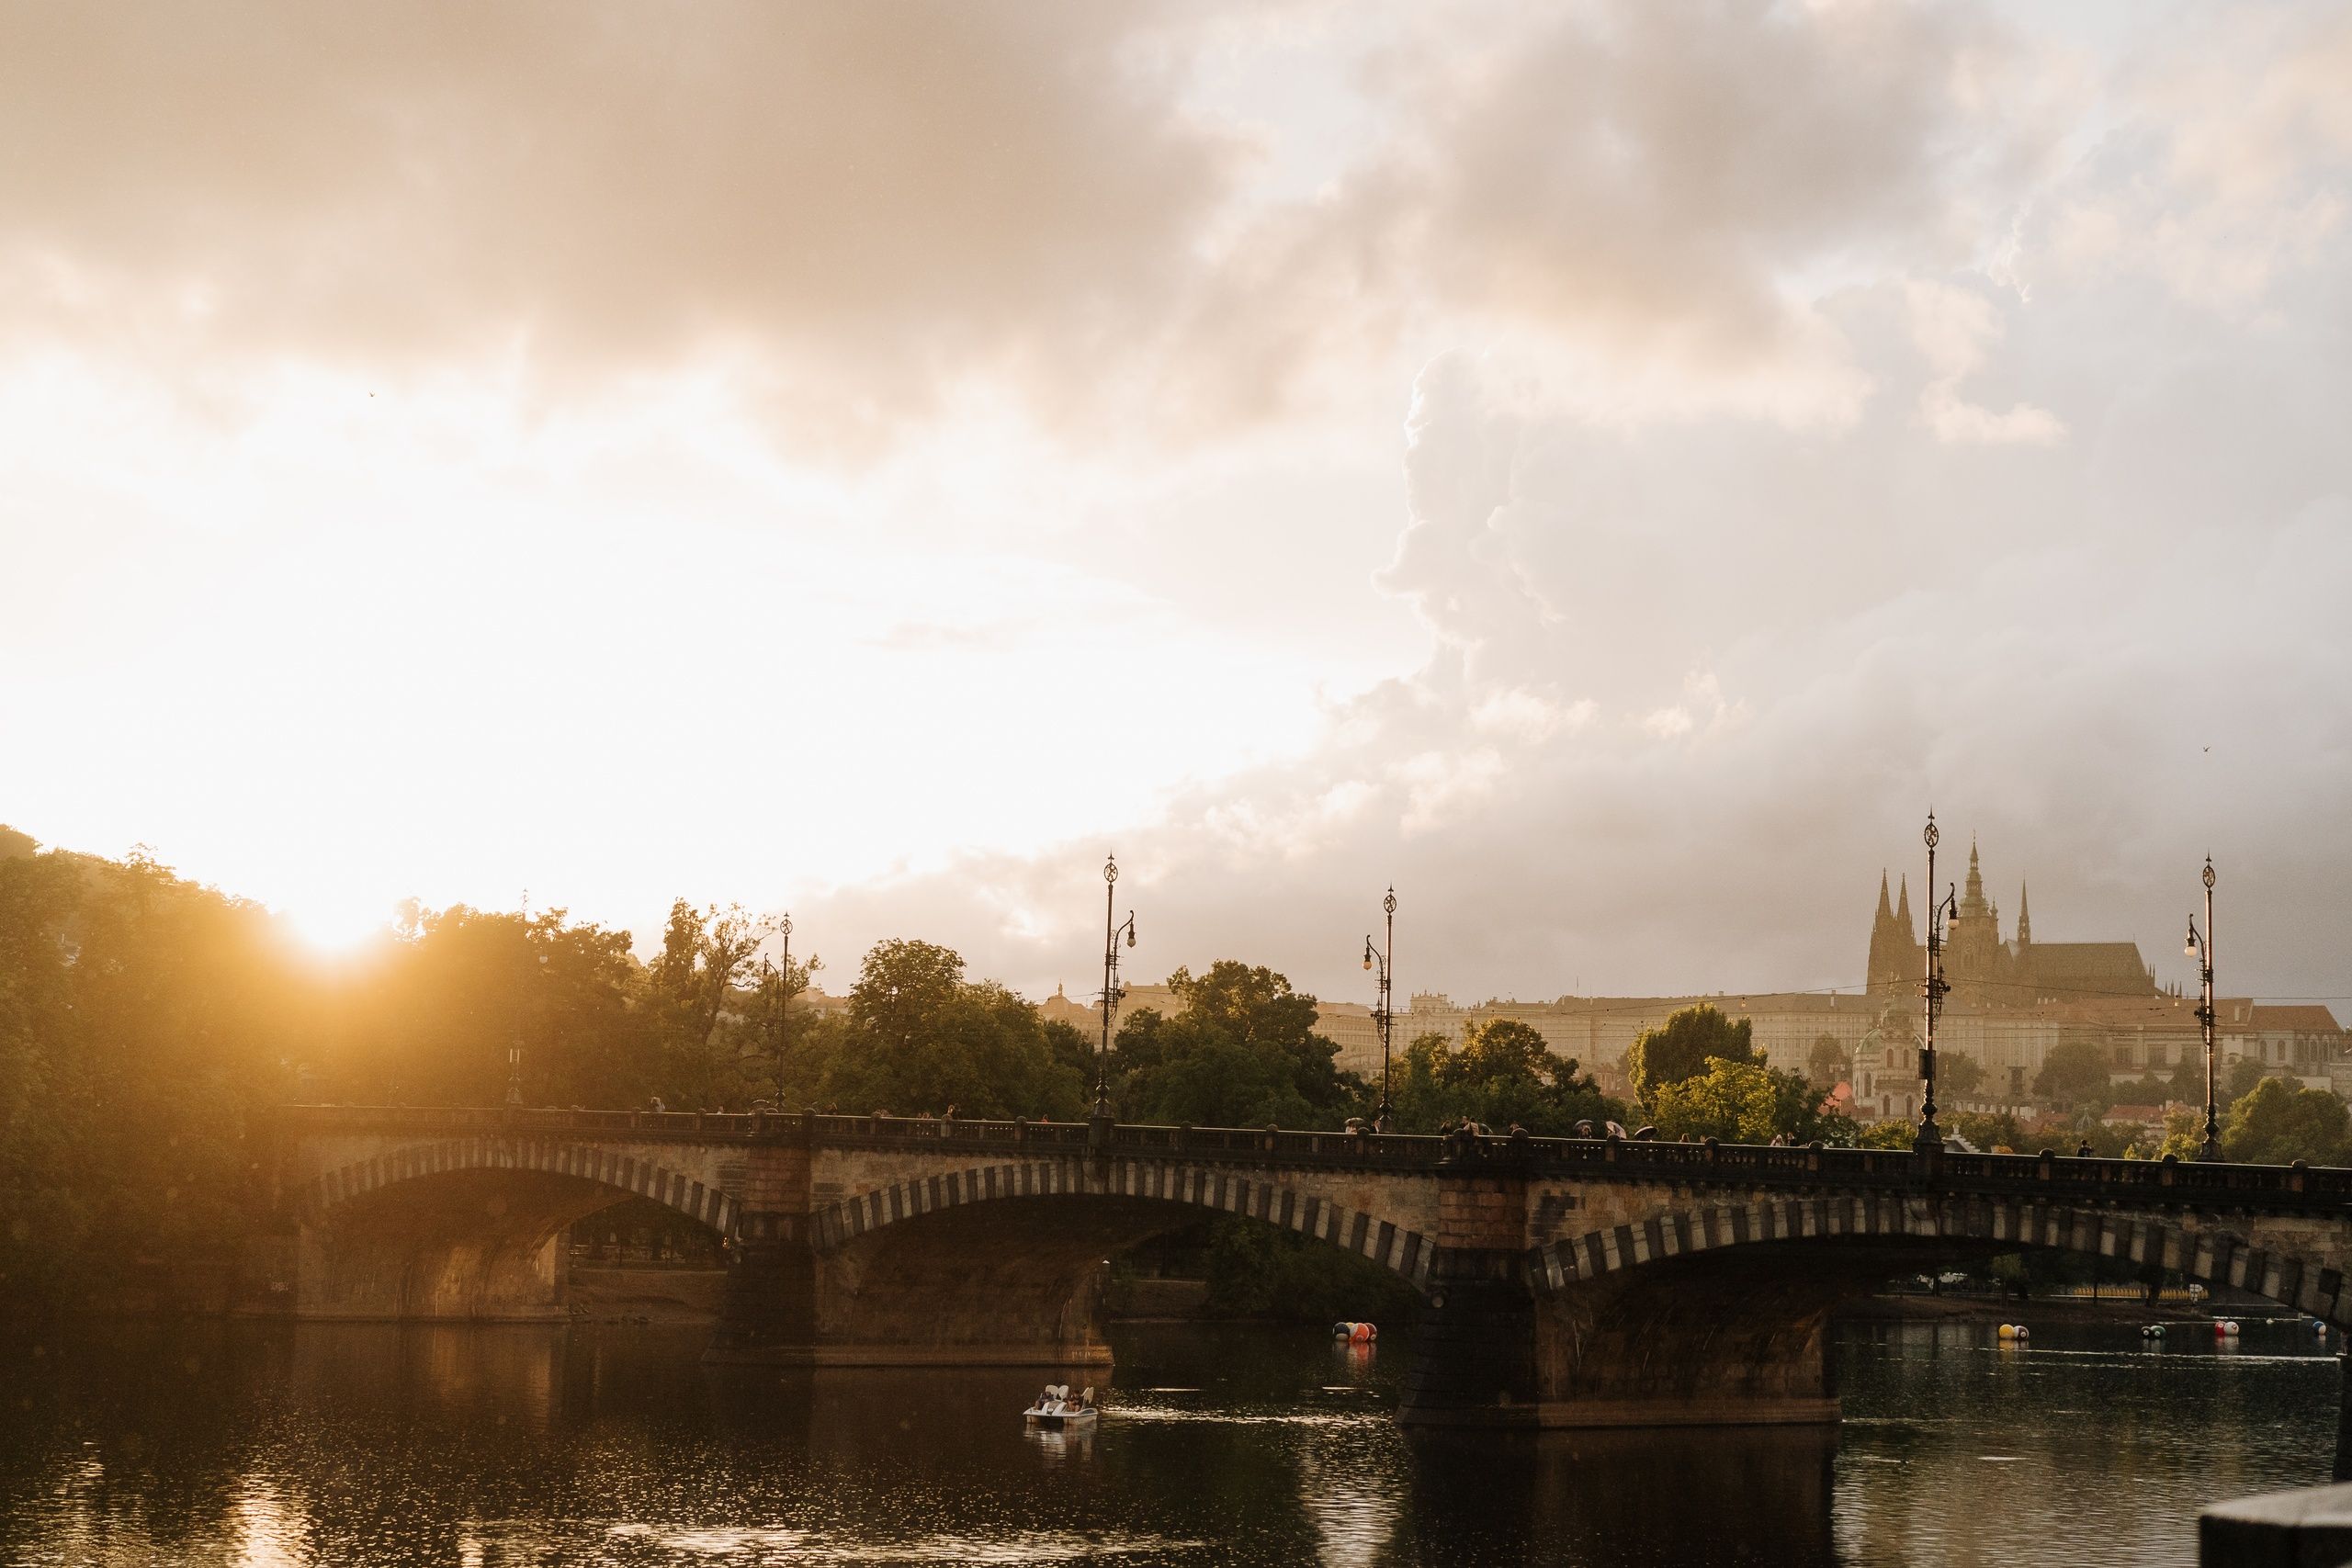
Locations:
500 1447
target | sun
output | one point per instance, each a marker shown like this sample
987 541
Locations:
331 926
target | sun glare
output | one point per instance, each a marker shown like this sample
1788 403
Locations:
333 928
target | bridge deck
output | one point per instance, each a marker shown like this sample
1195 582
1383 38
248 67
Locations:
2168 1181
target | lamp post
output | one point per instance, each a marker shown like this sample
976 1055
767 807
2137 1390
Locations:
1930 1137
2199 946
783 1006
1382 1016
1111 992
776 984
514 1074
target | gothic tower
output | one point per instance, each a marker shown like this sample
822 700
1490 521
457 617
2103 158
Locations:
1894 954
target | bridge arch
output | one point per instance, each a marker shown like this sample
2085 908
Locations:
2215 1253
472 1228
626 1174
1391 1243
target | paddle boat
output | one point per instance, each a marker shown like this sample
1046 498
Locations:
1056 1411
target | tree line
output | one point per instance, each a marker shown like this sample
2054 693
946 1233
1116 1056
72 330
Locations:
148 1023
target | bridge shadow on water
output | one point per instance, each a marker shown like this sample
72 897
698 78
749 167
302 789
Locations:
1757 1495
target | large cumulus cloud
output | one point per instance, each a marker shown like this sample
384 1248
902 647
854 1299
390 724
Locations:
2071 570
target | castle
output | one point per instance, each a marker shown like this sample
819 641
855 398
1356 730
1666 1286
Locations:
1986 972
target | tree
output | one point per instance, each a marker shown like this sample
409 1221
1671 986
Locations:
1988 1131
919 1038
2274 1124
774 1035
1242 1052
1745 1102
1886 1135
431 1014
1501 1075
2075 1073
1682 1047
1828 1063
2184 1136
1958 1075
2240 1078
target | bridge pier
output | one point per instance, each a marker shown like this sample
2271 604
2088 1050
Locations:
1475 1365
1016 1282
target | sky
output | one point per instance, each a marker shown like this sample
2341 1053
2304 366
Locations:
1606 471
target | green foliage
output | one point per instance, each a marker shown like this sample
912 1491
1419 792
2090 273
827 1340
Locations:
1501 1075
1681 1048
2184 1134
1988 1131
2084 1127
2231 1079
1827 1064
2237 1081
2075 1073
920 1039
1886 1135
776 1036
429 1017
706 956
1255 1270
143 1021
1243 1052
1958 1075
2276 1123
1745 1102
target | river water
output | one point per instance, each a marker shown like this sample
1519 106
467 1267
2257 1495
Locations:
361 1446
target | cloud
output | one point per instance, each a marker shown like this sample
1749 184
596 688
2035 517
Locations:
868 218
1670 185
1955 330
864 206
2223 172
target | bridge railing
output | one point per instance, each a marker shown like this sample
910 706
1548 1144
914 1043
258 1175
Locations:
2150 1180
445 1121
2159 1181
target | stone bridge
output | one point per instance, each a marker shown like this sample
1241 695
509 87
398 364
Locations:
1567 1282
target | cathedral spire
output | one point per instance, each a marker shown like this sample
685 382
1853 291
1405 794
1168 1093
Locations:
1973 901
2025 918
1902 909
1885 912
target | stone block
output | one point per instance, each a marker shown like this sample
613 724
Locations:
2310 1529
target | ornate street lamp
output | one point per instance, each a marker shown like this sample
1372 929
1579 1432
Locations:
2199 946
1383 1017
782 1005
1930 1137
514 1074
1111 992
